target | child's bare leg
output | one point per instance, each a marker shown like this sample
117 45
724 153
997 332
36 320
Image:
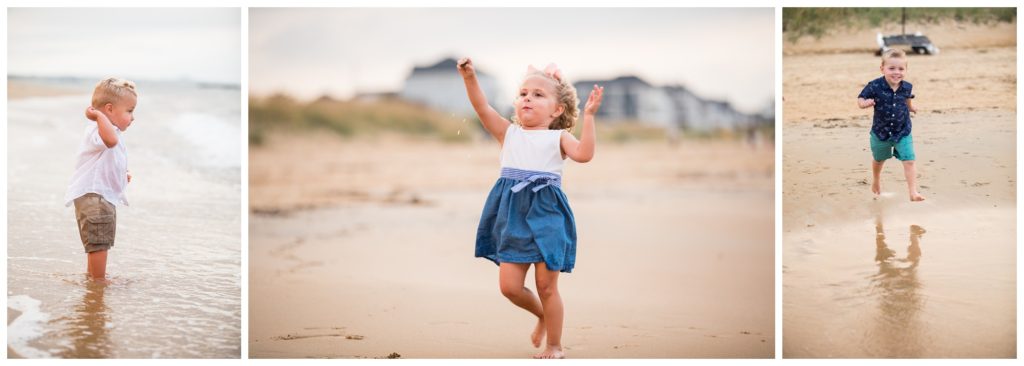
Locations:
98 265
911 173
511 277
876 173
547 288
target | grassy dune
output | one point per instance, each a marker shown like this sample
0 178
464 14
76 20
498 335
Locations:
351 118
817 22
280 113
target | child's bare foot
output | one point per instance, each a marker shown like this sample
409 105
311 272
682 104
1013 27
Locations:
551 352
916 197
876 188
538 333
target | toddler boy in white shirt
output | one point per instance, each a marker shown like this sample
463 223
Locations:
101 173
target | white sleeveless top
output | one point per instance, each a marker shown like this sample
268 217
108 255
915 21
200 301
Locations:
535 150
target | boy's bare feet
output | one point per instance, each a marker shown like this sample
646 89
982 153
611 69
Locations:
551 352
916 197
538 333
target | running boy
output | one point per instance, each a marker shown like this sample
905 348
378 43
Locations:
890 130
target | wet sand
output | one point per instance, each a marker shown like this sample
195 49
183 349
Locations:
364 249
175 266
867 278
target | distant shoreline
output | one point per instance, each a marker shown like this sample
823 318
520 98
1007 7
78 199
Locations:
21 86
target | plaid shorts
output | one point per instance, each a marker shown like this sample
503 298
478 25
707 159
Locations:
96 222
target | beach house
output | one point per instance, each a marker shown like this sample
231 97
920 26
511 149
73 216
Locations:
440 86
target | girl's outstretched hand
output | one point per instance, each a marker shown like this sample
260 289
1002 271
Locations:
465 66
594 101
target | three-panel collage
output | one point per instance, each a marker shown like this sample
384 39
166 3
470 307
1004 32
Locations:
508 183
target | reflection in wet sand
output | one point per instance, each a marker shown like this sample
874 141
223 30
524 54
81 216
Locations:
88 327
897 330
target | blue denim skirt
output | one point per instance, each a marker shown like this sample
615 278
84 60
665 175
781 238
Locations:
527 220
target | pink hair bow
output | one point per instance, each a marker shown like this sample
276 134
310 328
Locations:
551 70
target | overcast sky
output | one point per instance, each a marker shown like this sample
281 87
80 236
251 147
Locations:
719 53
199 44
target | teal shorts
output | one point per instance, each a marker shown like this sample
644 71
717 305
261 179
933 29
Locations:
903 149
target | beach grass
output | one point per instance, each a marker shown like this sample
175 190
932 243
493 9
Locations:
818 22
356 119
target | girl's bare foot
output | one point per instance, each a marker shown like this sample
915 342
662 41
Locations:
551 352
916 197
876 188
538 333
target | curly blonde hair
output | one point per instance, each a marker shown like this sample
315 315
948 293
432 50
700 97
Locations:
566 94
112 90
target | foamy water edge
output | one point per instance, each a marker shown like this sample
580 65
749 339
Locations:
27 326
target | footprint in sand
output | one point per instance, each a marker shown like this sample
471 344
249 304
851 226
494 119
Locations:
284 251
304 265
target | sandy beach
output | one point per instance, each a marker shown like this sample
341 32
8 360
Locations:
885 277
175 277
364 249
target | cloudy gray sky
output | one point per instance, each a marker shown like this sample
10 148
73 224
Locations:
719 53
199 44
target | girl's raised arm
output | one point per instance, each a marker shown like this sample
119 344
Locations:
492 121
582 150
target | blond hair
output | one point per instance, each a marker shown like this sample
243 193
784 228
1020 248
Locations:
112 90
893 53
566 95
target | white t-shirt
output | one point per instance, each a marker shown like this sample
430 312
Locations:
99 169
534 150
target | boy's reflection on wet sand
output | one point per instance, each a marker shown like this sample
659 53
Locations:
898 332
87 326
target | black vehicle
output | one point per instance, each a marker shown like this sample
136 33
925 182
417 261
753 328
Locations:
917 41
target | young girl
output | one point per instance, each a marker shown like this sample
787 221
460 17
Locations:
527 218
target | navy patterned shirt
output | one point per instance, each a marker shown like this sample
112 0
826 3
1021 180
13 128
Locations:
892 116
